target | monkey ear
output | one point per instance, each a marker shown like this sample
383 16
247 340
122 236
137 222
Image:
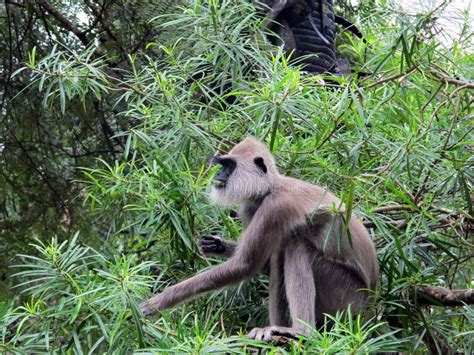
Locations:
260 163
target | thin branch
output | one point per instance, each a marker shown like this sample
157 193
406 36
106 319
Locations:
444 79
160 329
42 174
397 225
56 146
100 15
392 208
394 77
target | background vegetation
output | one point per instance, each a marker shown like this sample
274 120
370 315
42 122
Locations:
109 112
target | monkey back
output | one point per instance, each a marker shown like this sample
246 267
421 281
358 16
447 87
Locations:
320 45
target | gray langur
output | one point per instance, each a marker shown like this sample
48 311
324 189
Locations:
319 261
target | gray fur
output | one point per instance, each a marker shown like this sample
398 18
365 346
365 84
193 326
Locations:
299 230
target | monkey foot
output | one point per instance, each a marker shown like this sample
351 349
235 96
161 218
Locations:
266 334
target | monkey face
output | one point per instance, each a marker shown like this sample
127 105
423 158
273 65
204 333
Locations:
243 176
227 168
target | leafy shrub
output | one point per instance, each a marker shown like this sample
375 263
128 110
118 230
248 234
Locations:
394 145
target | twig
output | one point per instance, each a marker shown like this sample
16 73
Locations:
394 77
398 225
161 329
392 208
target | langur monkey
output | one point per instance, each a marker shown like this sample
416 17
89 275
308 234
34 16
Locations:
319 261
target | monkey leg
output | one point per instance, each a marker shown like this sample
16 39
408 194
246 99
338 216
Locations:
300 293
337 288
214 245
277 303
300 287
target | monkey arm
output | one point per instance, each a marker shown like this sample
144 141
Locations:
212 245
219 276
241 266
259 240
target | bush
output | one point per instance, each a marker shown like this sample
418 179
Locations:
393 144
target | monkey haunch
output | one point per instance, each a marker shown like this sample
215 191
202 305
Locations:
315 266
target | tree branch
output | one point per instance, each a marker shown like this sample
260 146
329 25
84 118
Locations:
440 296
65 22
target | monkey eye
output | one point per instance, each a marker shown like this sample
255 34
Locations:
261 164
224 161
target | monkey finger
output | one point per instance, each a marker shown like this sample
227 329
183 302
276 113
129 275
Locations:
209 242
205 240
206 237
212 250
209 246
266 334
212 247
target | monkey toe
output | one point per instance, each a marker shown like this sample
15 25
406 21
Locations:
262 334
266 334
256 334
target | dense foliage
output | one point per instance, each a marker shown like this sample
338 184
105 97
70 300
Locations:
107 127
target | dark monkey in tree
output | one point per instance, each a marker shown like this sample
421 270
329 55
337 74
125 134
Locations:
319 262
305 27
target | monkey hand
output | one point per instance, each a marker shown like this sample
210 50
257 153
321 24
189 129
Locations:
157 303
210 244
147 308
266 334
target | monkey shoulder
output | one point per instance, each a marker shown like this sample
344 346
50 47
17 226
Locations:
279 211
306 195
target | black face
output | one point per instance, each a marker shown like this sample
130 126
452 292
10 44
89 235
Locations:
261 164
227 167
